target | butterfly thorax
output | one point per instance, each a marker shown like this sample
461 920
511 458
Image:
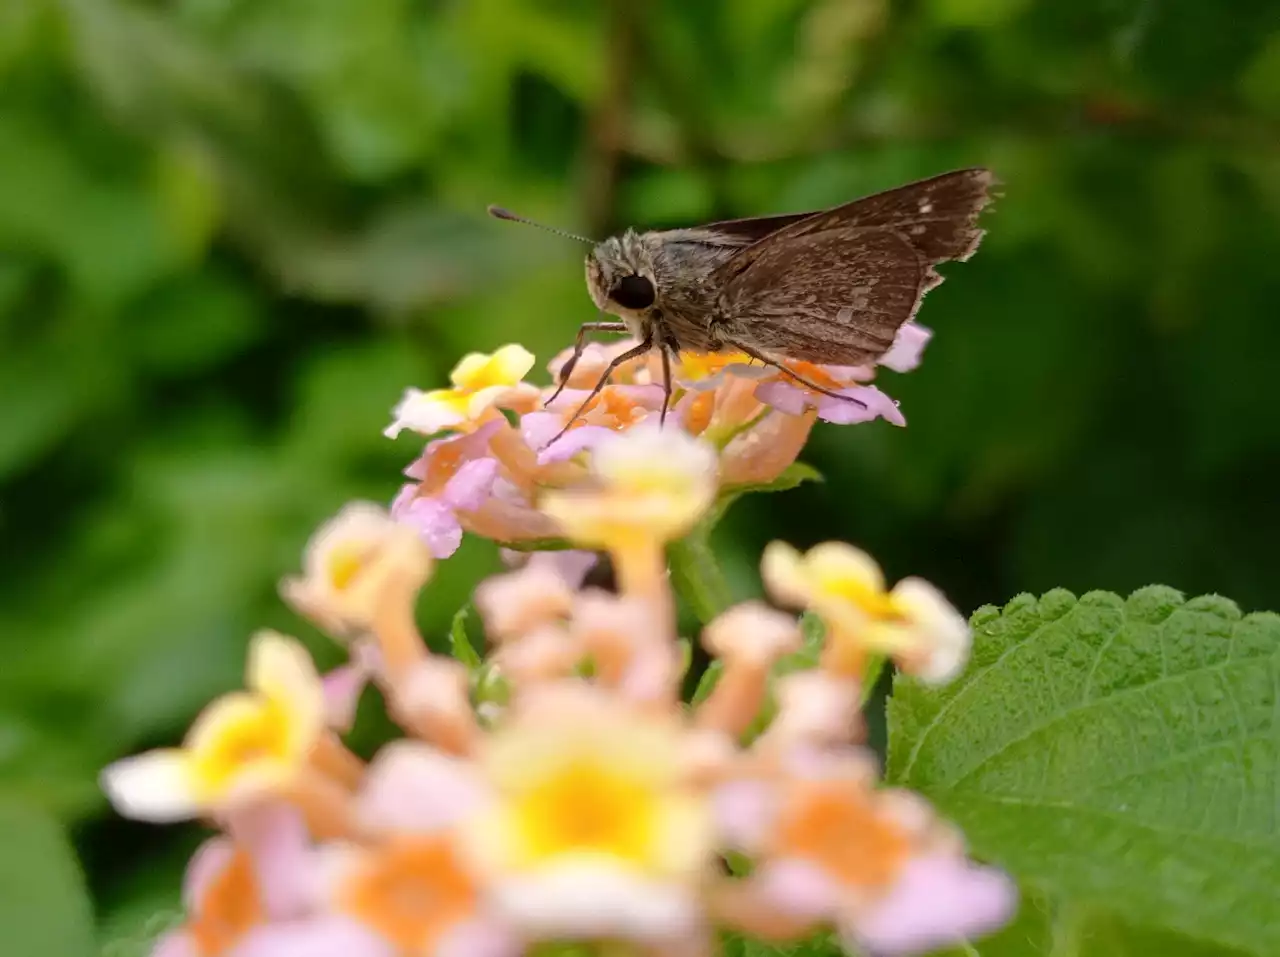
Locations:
656 283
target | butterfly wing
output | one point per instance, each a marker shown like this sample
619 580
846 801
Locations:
836 286
837 297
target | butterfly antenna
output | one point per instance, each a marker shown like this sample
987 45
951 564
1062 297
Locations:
497 212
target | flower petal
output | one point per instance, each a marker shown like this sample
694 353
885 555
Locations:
799 887
744 810
867 403
907 349
512 363
783 570
205 865
478 937
937 901
435 523
427 412
784 396
343 687
281 670
753 632
277 840
944 633
176 943
155 786
471 484
411 787
328 936
577 440
593 898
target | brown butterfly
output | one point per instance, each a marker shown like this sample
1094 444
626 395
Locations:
830 287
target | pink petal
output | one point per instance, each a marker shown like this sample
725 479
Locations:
907 349
176 943
479 938
474 445
539 428
342 689
783 396
277 839
471 484
328 936
799 887
572 565
572 442
744 811
435 522
205 865
412 787
938 900
871 404
848 375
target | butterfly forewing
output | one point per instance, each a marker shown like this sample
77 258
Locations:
938 215
835 297
835 286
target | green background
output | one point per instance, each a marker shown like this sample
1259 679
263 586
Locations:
232 231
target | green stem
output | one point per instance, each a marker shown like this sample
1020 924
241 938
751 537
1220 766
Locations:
875 667
696 575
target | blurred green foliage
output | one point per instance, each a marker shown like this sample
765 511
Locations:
231 231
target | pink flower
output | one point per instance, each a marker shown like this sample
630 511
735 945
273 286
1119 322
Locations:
411 788
829 847
328 935
863 403
455 474
237 887
344 685
938 900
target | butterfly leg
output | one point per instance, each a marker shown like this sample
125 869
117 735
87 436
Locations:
775 364
633 353
667 389
579 345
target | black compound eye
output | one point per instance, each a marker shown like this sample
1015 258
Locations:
633 292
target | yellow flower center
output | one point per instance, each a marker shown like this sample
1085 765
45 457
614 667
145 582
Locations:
699 365
344 564
871 601
252 736
584 807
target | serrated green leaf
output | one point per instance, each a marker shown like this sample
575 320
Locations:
1120 755
459 644
43 905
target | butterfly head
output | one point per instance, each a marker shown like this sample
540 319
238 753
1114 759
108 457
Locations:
620 276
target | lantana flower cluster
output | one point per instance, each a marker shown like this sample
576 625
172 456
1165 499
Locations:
558 791
500 441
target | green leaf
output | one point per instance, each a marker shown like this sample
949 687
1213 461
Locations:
812 634
707 683
43 905
795 474
1118 755
459 644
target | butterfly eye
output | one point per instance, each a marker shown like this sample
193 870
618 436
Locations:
633 292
